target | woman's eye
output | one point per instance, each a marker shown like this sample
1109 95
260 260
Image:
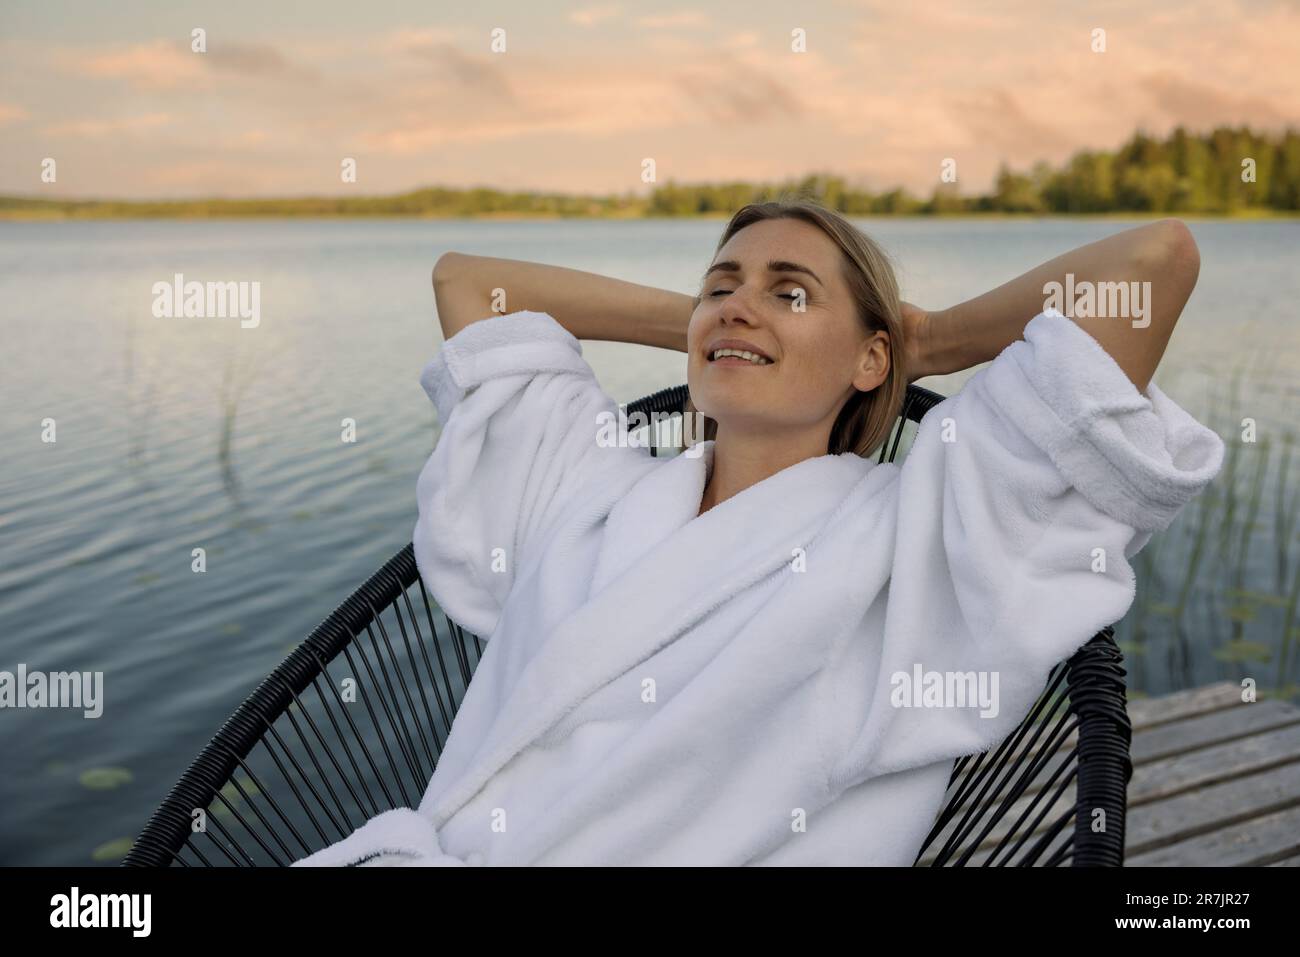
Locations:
781 295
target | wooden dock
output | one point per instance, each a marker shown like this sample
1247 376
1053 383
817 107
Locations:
1216 782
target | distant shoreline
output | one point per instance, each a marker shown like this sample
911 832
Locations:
63 216
1222 174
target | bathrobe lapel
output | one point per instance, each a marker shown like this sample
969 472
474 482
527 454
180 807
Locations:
660 569
659 504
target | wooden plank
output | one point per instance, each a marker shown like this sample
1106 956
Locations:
1163 779
1148 712
1168 777
1199 705
1252 843
1230 724
1212 808
1202 760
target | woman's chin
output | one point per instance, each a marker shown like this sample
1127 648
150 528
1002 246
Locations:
737 413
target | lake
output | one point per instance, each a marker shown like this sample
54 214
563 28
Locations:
176 434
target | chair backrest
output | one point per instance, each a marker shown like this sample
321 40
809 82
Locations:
306 758
917 401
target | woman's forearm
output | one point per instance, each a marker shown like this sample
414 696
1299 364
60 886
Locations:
589 305
1159 254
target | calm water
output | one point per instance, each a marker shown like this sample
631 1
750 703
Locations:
176 434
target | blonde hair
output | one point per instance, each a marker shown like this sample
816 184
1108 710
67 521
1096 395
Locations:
867 418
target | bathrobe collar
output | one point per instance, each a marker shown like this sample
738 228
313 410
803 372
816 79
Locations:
662 567
659 504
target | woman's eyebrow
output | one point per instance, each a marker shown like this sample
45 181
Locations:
773 265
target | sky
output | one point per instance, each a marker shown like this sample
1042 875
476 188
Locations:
583 93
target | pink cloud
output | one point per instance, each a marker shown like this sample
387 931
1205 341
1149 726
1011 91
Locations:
157 65
114 127
589 16
11 113
679 18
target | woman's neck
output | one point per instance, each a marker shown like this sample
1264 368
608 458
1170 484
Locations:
744 459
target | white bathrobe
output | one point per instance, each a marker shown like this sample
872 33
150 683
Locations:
661 687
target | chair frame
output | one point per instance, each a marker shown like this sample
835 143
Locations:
996 793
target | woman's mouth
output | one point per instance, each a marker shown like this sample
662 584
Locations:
738 357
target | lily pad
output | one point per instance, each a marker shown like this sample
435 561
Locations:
1244 650
105 779
1260 596
1241 613
113 850
231 793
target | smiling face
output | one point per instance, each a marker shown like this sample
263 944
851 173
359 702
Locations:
777 289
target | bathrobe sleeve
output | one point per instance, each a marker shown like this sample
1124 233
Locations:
518 407
1020 505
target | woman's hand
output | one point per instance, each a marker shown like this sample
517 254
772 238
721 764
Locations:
916 329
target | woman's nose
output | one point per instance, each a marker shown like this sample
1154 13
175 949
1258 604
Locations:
737 308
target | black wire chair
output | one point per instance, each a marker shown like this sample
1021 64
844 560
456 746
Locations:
293 770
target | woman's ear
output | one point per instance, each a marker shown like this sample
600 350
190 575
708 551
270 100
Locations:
873 364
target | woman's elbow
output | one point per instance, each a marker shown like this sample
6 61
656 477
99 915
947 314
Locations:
455 293
1180 257
446 266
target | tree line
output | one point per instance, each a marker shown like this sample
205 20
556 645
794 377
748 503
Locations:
1225 172
1228 171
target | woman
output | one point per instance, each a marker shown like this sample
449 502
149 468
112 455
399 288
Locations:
715 657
